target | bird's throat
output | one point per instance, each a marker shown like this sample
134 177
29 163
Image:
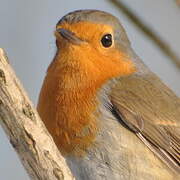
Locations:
69 111
68 102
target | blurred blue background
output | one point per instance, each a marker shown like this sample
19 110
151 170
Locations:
26 33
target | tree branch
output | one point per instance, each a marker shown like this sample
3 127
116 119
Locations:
160 43
26 131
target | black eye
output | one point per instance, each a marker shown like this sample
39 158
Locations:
106 40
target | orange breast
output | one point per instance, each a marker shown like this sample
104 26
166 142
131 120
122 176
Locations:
69 114
68 102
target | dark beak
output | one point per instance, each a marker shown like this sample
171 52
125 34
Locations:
70 36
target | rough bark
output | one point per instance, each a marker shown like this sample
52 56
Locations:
25 130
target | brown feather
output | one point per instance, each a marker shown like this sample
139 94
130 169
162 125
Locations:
152 111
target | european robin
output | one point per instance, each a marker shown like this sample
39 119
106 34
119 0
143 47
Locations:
110 116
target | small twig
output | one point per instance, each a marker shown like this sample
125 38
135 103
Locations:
26 132
163 46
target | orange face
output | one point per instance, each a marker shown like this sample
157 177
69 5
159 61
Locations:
96 62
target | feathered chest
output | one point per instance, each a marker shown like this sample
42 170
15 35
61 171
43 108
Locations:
71 115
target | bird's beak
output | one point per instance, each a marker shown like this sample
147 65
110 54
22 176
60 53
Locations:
70 36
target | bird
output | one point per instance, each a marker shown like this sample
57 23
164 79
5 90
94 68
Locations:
110 116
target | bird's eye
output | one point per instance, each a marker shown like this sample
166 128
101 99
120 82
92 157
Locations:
106 40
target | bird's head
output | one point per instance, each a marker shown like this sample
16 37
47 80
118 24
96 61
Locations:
94 44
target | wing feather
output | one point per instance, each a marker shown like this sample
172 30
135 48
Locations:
152 111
